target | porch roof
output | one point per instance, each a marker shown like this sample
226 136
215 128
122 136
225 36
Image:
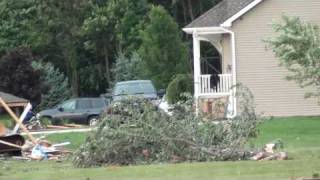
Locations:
219 13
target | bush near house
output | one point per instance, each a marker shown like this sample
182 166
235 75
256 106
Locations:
182 83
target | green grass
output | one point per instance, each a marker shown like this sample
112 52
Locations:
7 121
301 137
76 139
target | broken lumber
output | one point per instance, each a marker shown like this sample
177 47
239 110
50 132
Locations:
11 113
10 144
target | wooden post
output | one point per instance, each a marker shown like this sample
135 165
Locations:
11 113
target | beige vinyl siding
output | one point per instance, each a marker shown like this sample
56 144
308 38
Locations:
257 66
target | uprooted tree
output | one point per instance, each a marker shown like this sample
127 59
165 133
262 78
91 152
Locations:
298 48
138 133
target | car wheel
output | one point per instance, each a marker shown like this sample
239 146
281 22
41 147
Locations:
93 120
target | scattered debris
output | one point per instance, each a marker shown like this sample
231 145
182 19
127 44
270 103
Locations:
268 153
33 149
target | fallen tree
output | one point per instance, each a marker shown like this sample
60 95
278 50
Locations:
140 134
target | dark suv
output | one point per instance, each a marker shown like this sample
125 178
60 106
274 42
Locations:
79 110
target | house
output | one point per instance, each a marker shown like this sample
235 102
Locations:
237 29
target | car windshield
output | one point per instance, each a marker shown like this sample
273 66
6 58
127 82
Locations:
134 88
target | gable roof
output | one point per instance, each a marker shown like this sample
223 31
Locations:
9 98
222 12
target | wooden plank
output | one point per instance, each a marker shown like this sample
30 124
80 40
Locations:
10 144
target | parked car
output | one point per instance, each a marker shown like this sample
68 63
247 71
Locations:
79 110
134 89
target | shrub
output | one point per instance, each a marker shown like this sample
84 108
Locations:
18 77
182 83
133 136
55 83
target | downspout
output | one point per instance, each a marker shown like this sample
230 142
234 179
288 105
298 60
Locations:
234 71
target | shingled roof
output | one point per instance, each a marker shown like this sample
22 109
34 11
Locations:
11 99
219 13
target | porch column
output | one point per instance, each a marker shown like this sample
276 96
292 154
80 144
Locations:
197 68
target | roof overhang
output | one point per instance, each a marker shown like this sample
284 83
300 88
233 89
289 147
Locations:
226 24
205 30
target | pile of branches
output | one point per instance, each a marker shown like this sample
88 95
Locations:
141 134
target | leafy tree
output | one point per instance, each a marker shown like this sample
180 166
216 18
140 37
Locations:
59 23
185 11
298 48
18 77
162 51
92 81
55 82
126 69
16 24
113 27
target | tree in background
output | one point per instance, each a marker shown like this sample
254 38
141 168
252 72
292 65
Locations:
18 76
298 48
59 23
163 52
16 26
55 83
126 69
82 38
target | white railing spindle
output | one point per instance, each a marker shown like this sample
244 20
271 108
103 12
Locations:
222 87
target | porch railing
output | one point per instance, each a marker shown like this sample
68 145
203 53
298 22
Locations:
221 85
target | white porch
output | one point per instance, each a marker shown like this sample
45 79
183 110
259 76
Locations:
209 86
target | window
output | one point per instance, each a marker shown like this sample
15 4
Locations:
97 103
84 104
134 88
69 105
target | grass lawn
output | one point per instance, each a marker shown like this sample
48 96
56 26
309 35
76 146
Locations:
7 121
301 137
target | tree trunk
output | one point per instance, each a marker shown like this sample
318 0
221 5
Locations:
190 9
184 9
200 6
69 53
106 58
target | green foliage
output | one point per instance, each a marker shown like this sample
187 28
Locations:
82 38
182 83
298 48
126 69
140 134
59 24
92 80
162 51
113 27
16 26
56 83
18 77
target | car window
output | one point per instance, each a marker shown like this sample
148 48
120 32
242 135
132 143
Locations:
134 88
97 103
69 105
84 104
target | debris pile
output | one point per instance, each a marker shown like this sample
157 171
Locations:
35 149
44 150
269 153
